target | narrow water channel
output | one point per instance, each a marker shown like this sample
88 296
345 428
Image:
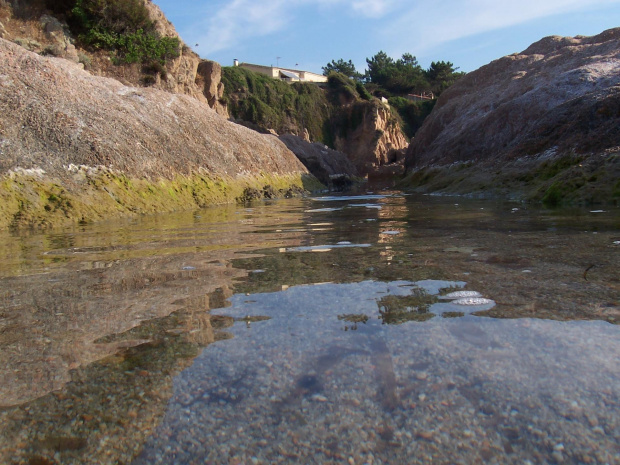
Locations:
382 328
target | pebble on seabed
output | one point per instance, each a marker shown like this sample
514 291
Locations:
472 301
461 295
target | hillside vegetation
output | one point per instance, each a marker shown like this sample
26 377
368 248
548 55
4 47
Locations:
265 103
122 27
272 104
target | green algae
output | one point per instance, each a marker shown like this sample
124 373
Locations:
38 201
567 179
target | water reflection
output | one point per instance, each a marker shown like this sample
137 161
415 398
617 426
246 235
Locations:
388 361
300 388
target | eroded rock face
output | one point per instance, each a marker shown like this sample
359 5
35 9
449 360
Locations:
560 95
210 74
61 41
330 167
188 73
376 142
53 114
49 35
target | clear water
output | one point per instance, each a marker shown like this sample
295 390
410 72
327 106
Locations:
382 328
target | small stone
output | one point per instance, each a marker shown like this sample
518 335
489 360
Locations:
426 435
558 456
462 295
512 433
486 453
421 376
319 398
351 461
473 301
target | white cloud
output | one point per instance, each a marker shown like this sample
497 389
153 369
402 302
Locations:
242 20
423 27
399 25
372 8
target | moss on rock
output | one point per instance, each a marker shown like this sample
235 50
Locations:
95 194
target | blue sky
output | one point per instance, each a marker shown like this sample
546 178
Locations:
307 34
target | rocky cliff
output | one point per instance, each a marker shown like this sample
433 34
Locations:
330 167
541 124
78 146
31 25
372 139
335 115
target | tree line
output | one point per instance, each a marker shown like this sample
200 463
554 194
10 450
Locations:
388 77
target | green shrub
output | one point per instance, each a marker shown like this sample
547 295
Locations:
142 47
155 67
361 90
148 80
135 47
121 26
341 87
411 113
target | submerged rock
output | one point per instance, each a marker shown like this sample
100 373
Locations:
461 295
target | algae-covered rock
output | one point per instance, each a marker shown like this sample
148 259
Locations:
75 145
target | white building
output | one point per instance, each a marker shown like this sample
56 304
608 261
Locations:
284 74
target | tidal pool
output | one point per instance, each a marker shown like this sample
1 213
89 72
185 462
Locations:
414 330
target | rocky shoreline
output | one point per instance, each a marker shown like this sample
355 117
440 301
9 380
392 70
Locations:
540 125
78 147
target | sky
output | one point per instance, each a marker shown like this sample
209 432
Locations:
308 34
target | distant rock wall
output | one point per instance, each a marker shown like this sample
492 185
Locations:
560 92
330 167
558 98
188 73
373 140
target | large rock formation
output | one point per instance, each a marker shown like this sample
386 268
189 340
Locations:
330 167
29 24
544 123
372 139
188 73
57 120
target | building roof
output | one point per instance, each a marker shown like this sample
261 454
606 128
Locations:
289 74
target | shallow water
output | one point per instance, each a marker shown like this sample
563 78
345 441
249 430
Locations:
382 328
